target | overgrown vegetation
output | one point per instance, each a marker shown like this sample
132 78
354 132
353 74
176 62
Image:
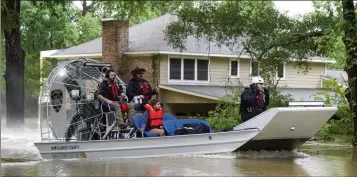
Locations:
57 25
344 126
271 38
226 114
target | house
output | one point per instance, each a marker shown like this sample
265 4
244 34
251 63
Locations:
338 74
191 81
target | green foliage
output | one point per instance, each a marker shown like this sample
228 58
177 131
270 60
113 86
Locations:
135 11
89 27
264 33
33 73
332 43
57 24
336 127
46 28
278 99
226 114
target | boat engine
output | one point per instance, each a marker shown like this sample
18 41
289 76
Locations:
68 104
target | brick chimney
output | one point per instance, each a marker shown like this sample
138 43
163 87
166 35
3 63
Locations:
115 41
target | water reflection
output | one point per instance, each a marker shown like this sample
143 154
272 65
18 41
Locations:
323 163
270 167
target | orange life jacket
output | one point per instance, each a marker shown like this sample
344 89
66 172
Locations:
155 117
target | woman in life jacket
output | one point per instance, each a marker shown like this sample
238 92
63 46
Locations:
153 118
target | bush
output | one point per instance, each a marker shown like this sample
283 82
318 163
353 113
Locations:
336 127
226 114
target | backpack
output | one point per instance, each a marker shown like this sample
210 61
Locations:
197 128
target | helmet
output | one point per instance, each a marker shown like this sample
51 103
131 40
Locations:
257 80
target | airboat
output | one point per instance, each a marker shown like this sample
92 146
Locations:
75 124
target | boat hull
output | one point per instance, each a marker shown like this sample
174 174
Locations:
148 147
285 128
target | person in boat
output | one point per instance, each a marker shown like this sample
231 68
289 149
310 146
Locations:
138 87
111 94
254 100
153 118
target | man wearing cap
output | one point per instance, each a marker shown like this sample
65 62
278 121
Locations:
254 100
139 87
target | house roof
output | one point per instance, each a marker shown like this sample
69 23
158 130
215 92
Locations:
297 94
149 36
338 74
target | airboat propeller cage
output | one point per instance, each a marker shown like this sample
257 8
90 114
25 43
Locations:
71 85
104 66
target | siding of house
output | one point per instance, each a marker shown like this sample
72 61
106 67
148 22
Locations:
219 68
170 97
312 79
219 72
163 69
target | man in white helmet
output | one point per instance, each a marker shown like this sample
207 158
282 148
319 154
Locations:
254 100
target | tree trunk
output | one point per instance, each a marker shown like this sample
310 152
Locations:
84 9
14 68
350 41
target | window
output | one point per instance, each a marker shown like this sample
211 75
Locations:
254 68
175 68
188 69
234 68
202 70
281 71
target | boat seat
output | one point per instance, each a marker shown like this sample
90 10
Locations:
107 124
171 125
138 120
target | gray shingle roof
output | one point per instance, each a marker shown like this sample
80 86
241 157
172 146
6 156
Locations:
90 47
338 74
297 94
150 36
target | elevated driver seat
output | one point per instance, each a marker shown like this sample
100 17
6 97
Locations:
108 128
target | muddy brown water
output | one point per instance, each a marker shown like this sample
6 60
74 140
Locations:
312 159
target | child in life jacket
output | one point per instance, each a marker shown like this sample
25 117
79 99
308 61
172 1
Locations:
153 118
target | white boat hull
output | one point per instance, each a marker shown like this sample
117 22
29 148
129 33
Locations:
148 147
285 128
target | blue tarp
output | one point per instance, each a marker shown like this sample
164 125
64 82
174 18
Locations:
138 120
170 124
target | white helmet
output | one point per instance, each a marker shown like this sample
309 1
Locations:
257 80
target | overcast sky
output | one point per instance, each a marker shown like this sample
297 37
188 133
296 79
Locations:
294 7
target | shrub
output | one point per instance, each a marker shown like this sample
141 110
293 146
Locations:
336 127
226 114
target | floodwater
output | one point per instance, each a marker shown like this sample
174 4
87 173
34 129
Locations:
312 159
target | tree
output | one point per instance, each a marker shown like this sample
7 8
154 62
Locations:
342 43
54 24
15 62
14 76
257 29
350 41
135 11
